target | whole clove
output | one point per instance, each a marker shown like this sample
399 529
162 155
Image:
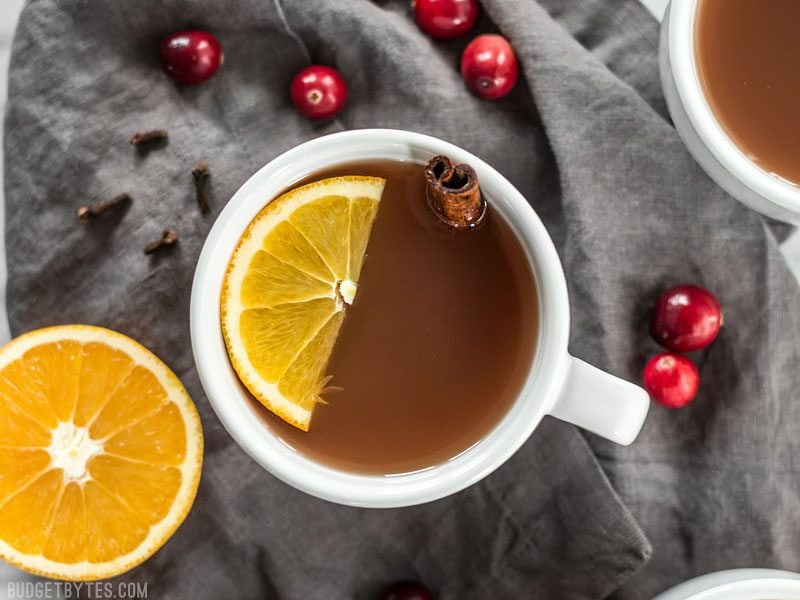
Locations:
201 173
168 238
143 137
90 212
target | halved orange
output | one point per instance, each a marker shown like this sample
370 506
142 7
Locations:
100 452
289 280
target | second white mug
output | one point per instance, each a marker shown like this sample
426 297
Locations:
700 130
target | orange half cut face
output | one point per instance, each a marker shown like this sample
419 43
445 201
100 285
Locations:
100 452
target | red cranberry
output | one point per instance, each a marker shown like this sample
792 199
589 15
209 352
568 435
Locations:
319 92
446 18
489 66
671 379
407 590
191 56
686 318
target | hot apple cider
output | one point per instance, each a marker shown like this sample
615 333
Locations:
436 344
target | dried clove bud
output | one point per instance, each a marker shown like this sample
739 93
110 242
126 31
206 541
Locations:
168 238
91 211
453 193
143 137
201 173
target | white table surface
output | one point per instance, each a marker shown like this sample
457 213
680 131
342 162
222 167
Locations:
9 13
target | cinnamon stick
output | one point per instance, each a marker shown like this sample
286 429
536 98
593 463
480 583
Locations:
453 193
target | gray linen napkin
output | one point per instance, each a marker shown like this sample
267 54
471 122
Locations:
85 77
583 136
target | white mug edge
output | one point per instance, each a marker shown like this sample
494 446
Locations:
681 49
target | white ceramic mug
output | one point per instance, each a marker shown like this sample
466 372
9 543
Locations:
557 383
738 584
702 133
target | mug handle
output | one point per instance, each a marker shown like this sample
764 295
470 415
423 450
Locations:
602 403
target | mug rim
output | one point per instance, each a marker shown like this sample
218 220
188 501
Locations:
681 43
236 411
738 584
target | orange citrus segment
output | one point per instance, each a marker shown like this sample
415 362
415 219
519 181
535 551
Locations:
310 365
100 452
112 529
159 439
286 243
362 214
271 282
67 540
108 369
290 278
276 329
21 386
325 222
19 467
148 490
26 515
17 429
140 394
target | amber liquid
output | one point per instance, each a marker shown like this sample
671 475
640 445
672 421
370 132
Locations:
437 344
748 57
